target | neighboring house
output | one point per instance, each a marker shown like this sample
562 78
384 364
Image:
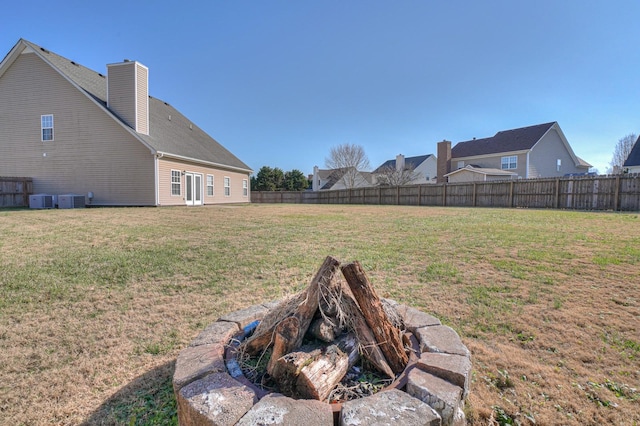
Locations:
472 173
324 179
407 171
632 163
529 152
74 130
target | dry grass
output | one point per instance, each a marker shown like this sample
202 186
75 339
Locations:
97 303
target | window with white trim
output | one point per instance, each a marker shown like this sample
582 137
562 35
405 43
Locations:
245 187
227 186
558 164
460 164
210 185
509 162
176 177
46 124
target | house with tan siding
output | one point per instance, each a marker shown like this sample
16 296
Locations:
76 131
529 152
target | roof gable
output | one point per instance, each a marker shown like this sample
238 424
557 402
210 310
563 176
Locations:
483 171
170 132
634 155
521 139
409 163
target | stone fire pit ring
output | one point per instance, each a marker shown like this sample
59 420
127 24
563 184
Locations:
211 390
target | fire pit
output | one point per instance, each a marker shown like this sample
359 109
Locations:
312 348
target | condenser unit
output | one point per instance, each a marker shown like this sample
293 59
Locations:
41 201
70 201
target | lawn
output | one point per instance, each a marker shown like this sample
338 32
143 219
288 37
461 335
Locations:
97 303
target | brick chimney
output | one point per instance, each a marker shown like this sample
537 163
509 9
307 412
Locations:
444 160
128 93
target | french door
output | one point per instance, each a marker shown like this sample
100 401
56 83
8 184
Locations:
193 189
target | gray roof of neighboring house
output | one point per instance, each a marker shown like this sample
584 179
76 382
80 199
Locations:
634 156
520 139
176 136
484 171
409 162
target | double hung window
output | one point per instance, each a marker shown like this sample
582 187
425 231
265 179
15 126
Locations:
46 124
227 186
509 162
210 185
175 182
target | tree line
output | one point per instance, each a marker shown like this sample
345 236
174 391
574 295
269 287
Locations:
274 179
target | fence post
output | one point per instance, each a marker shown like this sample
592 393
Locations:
556 198
398 195
444 195
511 194
419 195
379 195
616 195
473 198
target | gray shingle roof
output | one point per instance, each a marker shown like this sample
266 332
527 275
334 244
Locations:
176 136
520 139
409 162
634 156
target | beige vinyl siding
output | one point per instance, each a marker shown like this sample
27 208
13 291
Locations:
91 151
142 99
165 165
544 157
128 94
495 162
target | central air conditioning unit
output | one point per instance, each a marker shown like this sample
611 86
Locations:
41 201
70 201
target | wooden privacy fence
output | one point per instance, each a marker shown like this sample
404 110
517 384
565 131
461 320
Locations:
15 191
606 192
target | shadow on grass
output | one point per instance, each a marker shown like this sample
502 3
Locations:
147 400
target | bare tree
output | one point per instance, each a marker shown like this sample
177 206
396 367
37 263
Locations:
349 158
393 176
621 152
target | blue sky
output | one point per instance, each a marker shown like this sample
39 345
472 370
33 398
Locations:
280 82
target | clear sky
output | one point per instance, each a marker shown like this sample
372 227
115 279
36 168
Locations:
280 82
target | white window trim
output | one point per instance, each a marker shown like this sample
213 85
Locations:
42 128
179 183
245 188
212 186
227 186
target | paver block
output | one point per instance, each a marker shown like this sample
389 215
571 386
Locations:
440 338
392 407
414 319
277 409
455 369
218 332
246 316
193 363
442 396
216 399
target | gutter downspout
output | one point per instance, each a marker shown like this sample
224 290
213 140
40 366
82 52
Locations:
526 174
156 179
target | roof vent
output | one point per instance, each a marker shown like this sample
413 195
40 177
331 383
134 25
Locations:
73 63
190 126
44 50
101 75
169 117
